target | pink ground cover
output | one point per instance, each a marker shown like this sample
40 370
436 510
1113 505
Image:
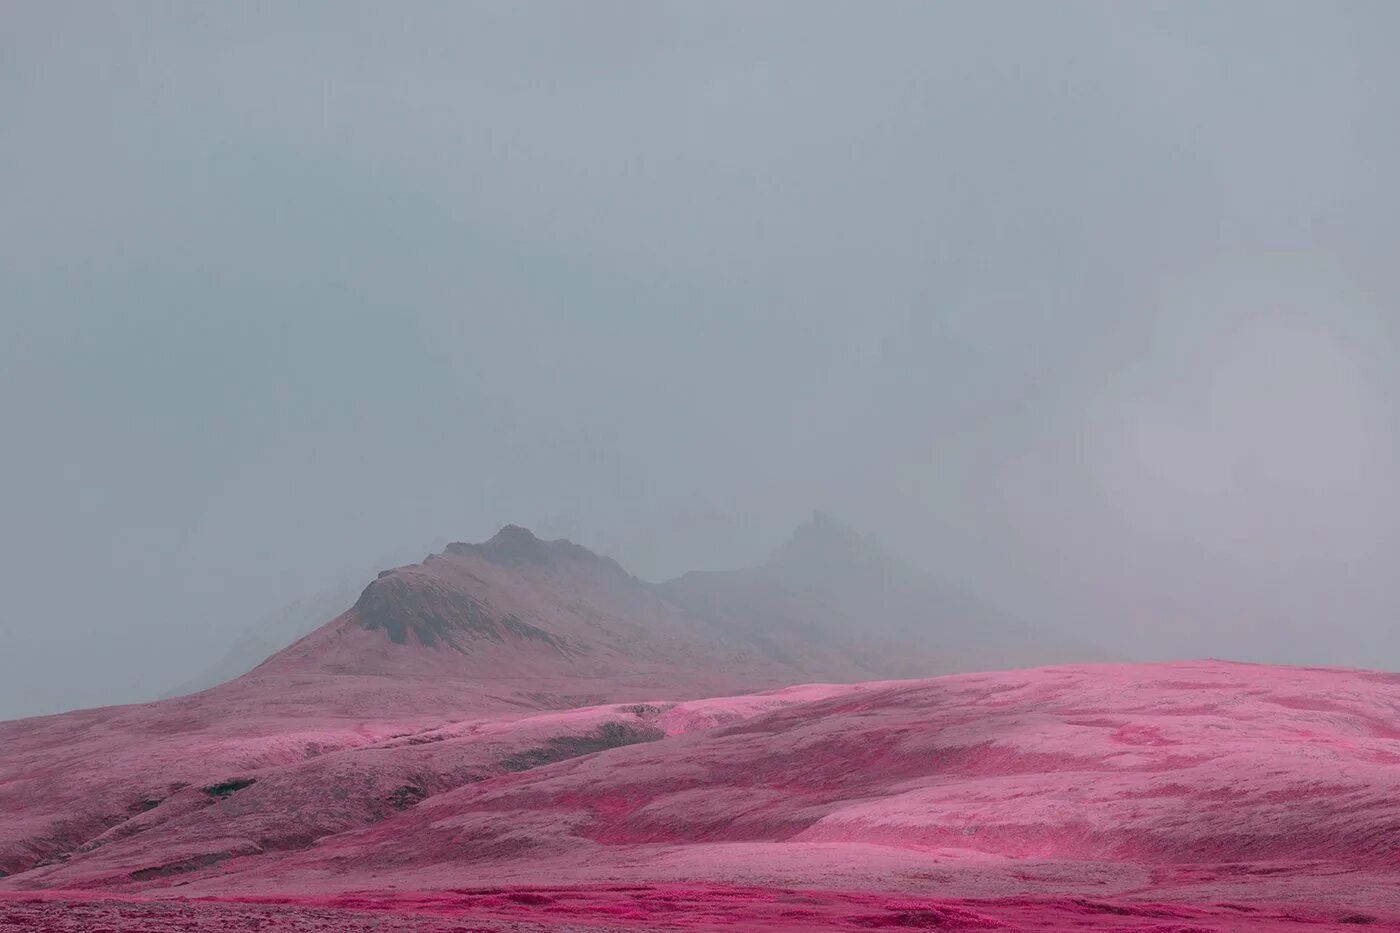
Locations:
1190 796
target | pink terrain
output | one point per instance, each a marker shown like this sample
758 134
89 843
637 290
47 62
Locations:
517 736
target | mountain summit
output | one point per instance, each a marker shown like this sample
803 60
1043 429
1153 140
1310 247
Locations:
520 616
514 546
824 550
830 592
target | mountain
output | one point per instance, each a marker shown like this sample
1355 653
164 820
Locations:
576 628
548 623
830 591
507 628
474 668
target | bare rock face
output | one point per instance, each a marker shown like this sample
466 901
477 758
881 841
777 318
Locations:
434 613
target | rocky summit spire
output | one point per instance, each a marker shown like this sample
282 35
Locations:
514 546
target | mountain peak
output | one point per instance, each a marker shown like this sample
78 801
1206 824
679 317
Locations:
514 546
825 525
824 549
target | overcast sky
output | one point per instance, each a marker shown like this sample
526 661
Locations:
1093 309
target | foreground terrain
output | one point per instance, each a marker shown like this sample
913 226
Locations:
1195 796
670 907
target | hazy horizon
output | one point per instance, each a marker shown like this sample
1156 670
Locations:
1090 310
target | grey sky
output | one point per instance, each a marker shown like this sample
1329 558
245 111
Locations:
1091 308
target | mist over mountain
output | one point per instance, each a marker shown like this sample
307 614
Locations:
1085 310
270 635
827 585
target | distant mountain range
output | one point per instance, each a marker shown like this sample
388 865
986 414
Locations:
828 604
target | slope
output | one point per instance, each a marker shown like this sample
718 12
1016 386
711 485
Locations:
1202 796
